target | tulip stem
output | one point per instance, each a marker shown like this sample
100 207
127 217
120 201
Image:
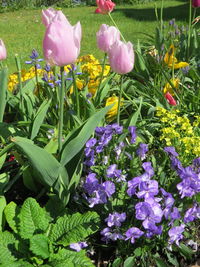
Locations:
76 94
119 100
116 26
189 29
19 73
61 108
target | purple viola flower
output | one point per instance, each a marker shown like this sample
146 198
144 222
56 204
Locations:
142 150
133 233
110 234
112 171
133 184
149 210
115 219
152 228
78 246
91 142
147 189
174 215
149 171
171 151
109 188
91 183
118 149
132 130
117 129
175 234
191 214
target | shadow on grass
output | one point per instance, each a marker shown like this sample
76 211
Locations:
148 14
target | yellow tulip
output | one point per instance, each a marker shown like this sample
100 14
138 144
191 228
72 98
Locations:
168 87
172 61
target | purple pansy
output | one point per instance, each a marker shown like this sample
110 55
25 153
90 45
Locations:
133 233
142 150
132 130
175 234
78 246
115 219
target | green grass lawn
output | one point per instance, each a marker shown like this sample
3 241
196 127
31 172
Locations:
22 30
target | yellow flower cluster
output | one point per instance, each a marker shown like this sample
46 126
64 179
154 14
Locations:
92 69
180 132
26 75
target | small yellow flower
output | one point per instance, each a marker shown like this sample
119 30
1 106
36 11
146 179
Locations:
113 100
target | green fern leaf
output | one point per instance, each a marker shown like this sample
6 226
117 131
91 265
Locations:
11 211
19 263
39 246
62 263
74 228
79 259
7 247
32 219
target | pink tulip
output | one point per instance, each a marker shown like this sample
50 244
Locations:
121 57
170 99
3 53
196 3
48 15
105 6
61 44
106 37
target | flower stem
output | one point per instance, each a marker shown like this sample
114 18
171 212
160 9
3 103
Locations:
116 26
61 108
76 94
102 72
18 64
189 29
119 101
161 19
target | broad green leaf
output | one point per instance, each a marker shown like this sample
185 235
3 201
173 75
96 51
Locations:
117 262
19 263
3 90
160 262
76 144
39 118
46 165
62 263
74 228
172 259
39 246
28 179
78 259
129 262
4 179
32 218
138 252
2 206
135 116
186 251
2 160
11 211
7 241
52 146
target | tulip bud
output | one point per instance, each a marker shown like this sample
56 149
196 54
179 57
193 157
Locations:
121 57
61 44
106 37
105 6
196 3
170 99
3 53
